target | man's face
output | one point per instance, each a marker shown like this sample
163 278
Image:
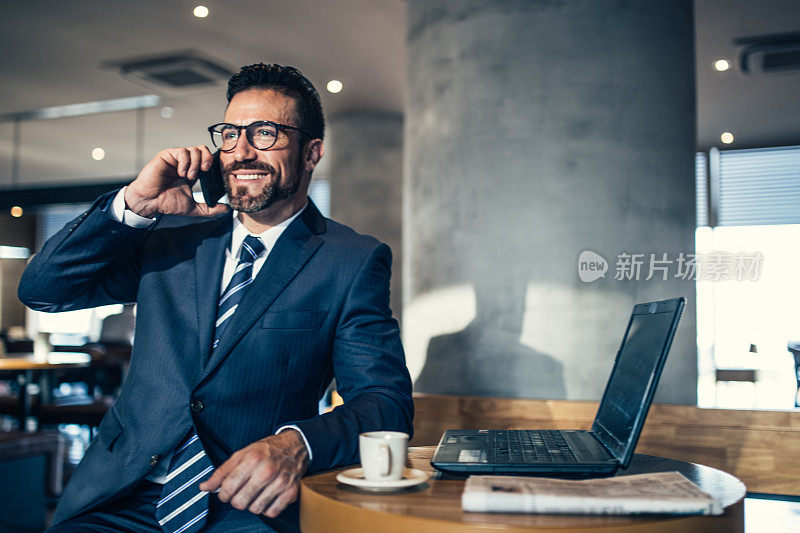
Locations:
256 179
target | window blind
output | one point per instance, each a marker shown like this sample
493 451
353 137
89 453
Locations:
701 183
756 186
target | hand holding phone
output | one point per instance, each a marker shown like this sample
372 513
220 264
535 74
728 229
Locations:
165 184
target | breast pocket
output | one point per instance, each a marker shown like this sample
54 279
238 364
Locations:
293 319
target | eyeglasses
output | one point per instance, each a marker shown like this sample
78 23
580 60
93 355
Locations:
262 134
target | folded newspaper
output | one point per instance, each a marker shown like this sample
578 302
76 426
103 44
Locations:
658 493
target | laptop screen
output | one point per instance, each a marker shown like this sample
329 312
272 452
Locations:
633 380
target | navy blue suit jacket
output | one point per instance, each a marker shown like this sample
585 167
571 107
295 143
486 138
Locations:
318 308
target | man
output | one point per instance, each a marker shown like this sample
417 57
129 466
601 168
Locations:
244 316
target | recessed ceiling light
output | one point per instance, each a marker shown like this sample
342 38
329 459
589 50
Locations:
200 12
167 112
721 65
334 86
726 137
16 211
98 154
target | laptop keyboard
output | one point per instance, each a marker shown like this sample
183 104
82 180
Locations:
530 446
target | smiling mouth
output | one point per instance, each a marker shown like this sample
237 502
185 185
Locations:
250 177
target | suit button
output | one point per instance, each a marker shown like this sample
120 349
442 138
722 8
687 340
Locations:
197 406
154 459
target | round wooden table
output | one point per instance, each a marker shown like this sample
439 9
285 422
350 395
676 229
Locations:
328 506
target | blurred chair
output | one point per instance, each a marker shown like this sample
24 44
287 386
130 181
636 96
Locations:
80 395
16 346
72 395
85 413
31 467
115 343
102 379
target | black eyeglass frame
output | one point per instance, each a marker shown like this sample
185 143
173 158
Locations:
278 127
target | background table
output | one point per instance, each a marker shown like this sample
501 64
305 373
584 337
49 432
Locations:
326 505
27 370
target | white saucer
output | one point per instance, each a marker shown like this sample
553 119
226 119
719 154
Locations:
355 477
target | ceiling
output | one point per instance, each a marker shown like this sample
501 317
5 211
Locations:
54 53
758 110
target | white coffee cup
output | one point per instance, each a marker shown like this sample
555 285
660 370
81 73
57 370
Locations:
383 454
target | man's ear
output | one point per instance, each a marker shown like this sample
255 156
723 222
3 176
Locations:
314 152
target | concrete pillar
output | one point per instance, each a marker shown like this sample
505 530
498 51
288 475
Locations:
536 130
365 152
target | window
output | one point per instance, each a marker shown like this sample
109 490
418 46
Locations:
748 208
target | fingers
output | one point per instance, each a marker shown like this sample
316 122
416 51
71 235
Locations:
236 488
266 492
230 476
259 483
283 501
183 159
265 498
164 184
264 479
220 473
188 161
206 156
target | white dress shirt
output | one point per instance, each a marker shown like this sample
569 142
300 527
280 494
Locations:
238 234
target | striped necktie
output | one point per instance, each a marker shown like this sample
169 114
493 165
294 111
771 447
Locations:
183 506
242 278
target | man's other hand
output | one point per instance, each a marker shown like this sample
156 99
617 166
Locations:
264 477
165 184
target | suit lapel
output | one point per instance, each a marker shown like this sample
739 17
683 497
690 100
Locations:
209 262
292 251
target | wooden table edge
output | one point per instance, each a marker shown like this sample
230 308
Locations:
319 512
22 364
322 513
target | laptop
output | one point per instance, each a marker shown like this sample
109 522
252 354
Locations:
602 450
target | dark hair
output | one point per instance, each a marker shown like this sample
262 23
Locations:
289 81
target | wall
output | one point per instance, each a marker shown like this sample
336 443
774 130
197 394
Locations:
536 131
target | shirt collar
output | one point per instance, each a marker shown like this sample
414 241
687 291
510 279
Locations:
269 237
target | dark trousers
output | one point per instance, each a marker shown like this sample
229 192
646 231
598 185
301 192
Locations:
136 513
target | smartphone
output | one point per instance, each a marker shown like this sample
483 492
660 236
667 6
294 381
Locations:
211 182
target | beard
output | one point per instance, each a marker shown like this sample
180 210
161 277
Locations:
240 197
